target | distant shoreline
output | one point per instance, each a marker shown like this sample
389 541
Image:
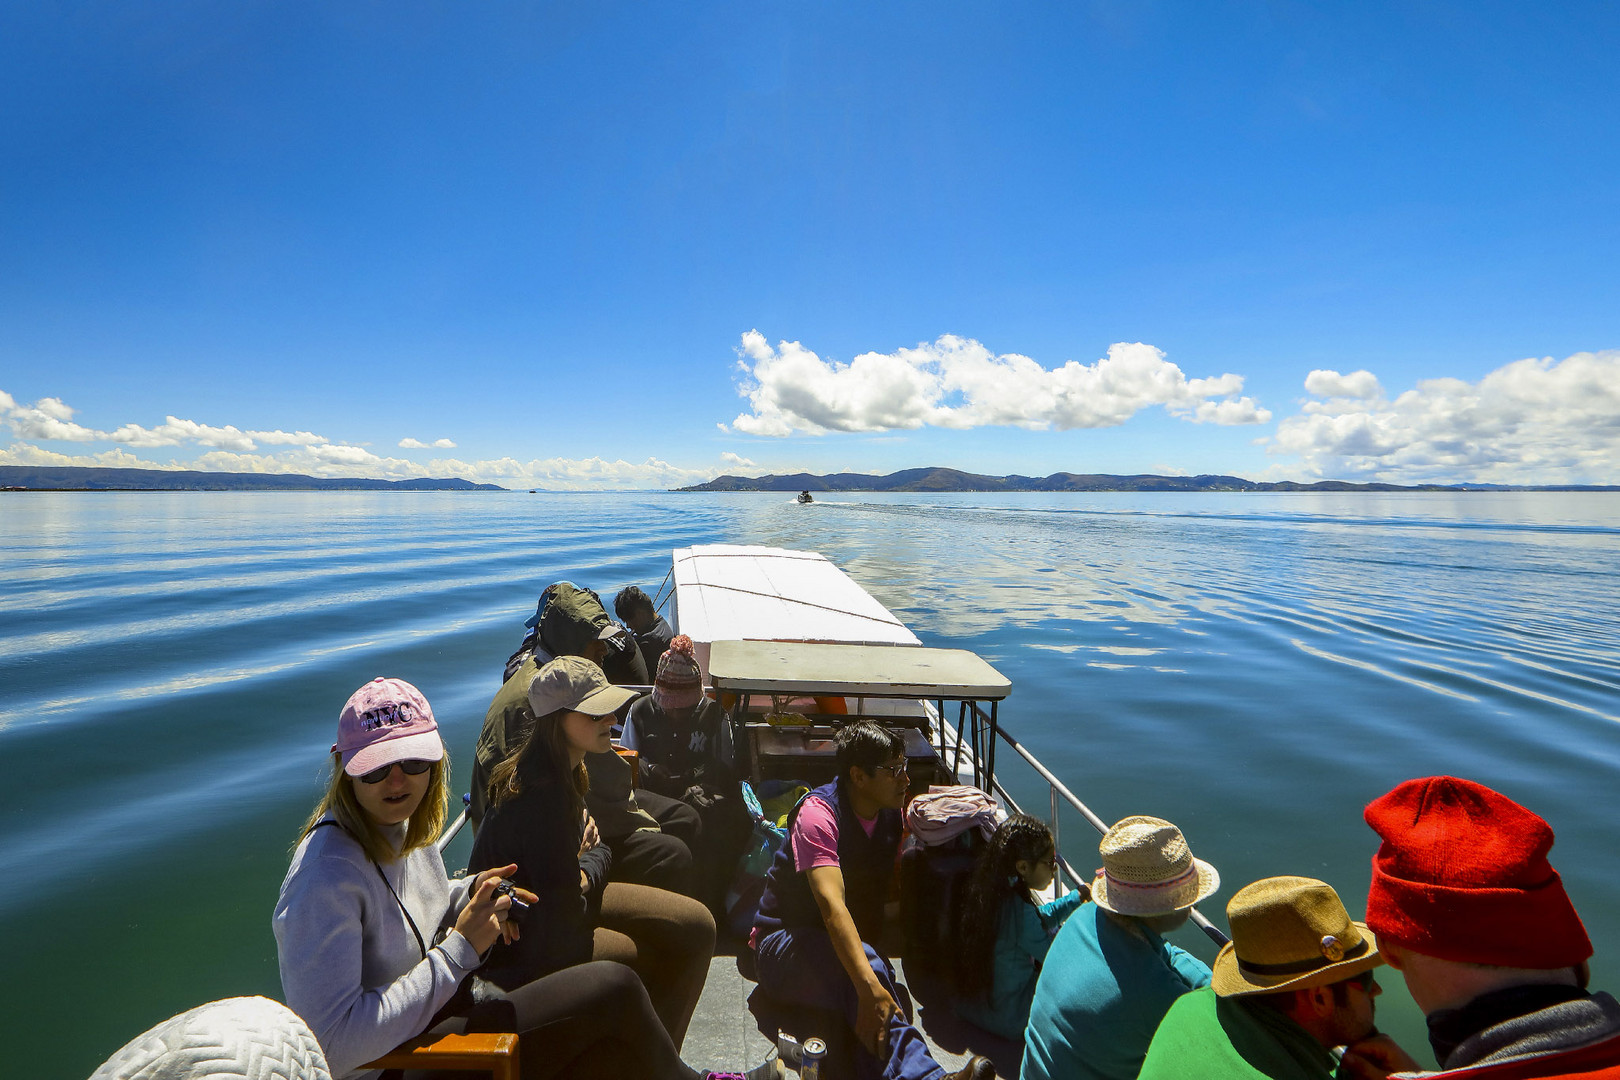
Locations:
20 478
78 479
952 481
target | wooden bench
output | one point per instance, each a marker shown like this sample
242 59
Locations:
494 1053
633 759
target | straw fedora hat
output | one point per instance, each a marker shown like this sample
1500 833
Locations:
1148 870
1290 933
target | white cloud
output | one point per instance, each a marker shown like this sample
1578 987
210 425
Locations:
47 418
1528 422
956 382
52 419
287 438
1330 384
28 454
738 460
580 474
232 449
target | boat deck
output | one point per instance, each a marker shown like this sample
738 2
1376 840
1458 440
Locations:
724 1035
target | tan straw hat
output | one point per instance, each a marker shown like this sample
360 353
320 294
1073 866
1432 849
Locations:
1148 870
1290 933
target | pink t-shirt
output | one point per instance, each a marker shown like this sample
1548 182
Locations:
815 834
814 837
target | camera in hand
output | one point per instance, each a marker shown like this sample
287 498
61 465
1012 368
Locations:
508 890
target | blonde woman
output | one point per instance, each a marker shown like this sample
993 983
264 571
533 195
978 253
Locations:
377 944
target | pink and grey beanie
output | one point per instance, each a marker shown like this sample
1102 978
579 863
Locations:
679 683
385 721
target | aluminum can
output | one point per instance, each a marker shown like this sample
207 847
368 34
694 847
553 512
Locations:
810 1064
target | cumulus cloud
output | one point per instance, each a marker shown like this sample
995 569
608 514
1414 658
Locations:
232 449
1534 421
52 419
582 474
39 457
956 382
738 460
1330 384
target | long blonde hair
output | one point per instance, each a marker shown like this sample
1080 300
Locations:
546 745
424 825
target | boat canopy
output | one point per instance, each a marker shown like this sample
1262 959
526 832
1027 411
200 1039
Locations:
726 592
780 667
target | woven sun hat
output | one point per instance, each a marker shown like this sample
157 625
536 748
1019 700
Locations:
1290 933
1149 870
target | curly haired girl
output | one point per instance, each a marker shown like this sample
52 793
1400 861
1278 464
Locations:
1005 931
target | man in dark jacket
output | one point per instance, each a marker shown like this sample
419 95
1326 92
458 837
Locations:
1468 909
653 633
823 908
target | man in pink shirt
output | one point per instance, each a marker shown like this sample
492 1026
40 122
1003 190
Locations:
823 908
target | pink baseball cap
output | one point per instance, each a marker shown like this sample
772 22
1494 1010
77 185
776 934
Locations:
385 721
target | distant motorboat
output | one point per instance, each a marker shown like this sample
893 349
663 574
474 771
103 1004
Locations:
804 497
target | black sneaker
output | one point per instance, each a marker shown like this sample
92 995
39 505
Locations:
978 1067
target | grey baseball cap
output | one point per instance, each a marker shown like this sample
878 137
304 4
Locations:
575 684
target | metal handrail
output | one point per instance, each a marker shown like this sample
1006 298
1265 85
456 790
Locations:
1058 788
450 834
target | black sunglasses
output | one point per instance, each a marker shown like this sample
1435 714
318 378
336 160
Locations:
413 767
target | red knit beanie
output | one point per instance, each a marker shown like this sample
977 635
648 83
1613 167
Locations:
1462 874
679 683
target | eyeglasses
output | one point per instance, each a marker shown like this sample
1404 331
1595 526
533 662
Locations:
413 767
896 771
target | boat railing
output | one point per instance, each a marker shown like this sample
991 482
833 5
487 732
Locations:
973 743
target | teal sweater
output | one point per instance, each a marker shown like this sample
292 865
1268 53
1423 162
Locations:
1022 938
1101 995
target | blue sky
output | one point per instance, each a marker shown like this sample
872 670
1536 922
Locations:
642 244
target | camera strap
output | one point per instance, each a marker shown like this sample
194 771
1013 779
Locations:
403 910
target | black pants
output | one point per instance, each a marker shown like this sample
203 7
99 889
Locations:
588 1022
663 859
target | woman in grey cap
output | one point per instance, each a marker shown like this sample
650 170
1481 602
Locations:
537 819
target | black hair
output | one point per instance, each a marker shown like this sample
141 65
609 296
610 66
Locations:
995 880
866 743
629 600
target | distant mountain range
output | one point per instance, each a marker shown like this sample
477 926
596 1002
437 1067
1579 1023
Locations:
954 480
65 478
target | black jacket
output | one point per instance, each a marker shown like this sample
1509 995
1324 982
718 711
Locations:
539 830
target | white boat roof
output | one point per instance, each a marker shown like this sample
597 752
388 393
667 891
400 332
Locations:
853 671
727 592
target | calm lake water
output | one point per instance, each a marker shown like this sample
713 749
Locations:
1253 667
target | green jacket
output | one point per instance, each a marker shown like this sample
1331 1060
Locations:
1215 1038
